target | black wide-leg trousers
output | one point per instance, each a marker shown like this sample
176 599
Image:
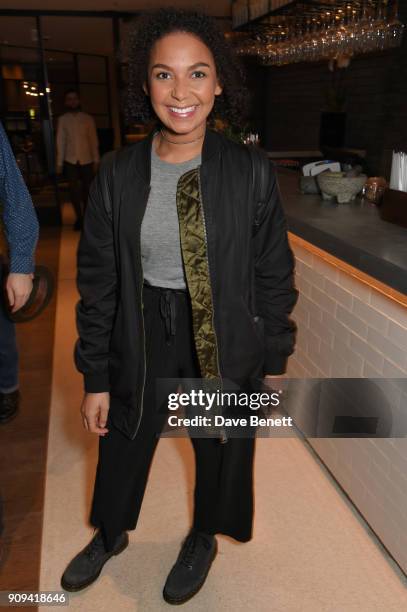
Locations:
223 495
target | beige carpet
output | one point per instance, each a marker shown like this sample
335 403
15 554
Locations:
311 552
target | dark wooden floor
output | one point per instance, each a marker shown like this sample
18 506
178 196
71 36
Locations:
23 441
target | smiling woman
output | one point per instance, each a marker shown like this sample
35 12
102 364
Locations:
231 104
179 281
182 94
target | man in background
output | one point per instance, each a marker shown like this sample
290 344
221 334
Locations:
77 152
18 239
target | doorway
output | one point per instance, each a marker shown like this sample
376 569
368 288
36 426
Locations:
40 58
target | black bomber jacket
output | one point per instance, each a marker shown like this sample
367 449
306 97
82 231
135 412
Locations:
240 276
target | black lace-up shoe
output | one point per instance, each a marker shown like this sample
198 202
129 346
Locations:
189 572
9 403
86 566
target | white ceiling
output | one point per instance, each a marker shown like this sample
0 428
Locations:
213 7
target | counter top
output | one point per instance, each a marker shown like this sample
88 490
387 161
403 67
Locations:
354 232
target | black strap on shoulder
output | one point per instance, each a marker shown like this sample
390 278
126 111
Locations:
260 167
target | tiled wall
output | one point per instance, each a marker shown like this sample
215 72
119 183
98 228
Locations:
348 329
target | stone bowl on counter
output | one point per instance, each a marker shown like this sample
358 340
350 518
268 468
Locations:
336 184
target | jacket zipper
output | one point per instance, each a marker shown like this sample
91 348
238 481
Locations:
223 437
144 332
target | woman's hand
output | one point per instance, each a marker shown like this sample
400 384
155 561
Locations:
18 287
94 411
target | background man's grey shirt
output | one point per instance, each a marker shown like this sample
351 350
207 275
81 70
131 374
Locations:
160 239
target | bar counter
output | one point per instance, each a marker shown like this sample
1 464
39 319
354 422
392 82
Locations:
354 233
351 273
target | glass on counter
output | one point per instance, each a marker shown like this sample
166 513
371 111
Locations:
374 189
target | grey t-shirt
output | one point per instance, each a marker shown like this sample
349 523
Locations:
160 239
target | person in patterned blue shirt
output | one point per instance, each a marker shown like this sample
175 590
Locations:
17 244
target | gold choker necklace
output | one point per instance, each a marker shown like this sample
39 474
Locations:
174 142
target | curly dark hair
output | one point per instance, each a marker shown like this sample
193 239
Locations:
230 105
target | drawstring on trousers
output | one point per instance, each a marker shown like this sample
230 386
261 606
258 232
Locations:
168 313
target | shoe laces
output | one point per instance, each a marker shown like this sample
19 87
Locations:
9 400
94 547
189 550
